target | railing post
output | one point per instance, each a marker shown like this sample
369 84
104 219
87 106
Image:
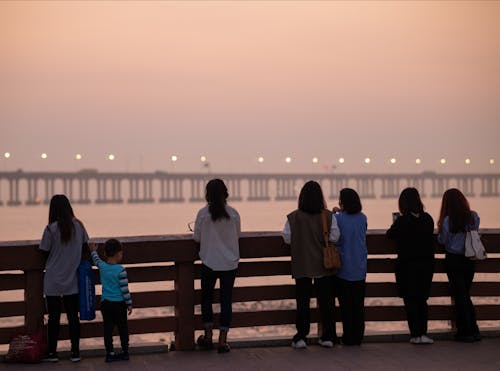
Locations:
184 308
33 300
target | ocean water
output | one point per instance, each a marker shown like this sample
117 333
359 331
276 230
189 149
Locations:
28 222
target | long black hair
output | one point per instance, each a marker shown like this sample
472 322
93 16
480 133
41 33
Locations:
60 211
311 198
410 201
216 196
350 201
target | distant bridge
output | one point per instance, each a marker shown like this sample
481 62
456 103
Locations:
85 187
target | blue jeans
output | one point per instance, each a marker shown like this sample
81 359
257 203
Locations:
208 279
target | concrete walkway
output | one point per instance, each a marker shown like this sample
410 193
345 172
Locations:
443 355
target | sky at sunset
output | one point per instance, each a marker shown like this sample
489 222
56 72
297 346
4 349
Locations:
233 81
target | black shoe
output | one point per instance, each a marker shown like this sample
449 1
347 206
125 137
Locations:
111 357
223 348
123 356
50 357
75 356
204 343
477 337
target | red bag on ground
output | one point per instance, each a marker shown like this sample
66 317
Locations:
27 348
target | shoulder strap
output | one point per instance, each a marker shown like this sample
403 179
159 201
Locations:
325 226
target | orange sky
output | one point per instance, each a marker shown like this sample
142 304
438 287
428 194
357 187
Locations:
237 80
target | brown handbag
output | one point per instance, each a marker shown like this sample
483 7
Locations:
331 256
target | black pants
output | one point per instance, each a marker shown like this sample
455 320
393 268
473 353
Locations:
208 280
416 315
54 307
326 302
460 271
114 313
351 296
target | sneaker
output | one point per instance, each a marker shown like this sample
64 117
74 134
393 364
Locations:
300 344
416 340
50 357
123 356
75 357
325 343
424 339
111 357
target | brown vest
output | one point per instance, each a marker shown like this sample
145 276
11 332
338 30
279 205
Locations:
307 244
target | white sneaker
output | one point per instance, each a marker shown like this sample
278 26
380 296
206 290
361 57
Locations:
424 339
325 343
301 344
416 340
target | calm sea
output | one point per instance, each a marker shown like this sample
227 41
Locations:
28 222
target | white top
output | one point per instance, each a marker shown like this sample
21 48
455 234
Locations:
333 236
219 247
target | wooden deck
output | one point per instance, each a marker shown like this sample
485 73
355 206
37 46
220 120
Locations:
443 355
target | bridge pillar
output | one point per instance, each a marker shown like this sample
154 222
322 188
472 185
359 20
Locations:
101 191
420 186
285 189
390 187
32 192
49 190
171 190
14 192
465 184
258 190
489 185
436 188
116 191
133 191
197 190
364 188
234 189
83 191
149 187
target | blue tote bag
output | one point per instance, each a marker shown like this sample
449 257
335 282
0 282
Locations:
86 289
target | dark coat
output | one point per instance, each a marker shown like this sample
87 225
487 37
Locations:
414 236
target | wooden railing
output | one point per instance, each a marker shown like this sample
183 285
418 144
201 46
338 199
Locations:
179 254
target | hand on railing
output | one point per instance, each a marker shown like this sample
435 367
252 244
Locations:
93 246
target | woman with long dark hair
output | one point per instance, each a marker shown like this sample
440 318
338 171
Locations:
304 232
455 219
217 228
351 277
62 244
414 235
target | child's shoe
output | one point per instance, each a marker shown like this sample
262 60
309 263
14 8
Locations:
204 342
223 345
123 356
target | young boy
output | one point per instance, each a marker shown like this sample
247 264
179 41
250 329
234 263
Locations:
115 298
